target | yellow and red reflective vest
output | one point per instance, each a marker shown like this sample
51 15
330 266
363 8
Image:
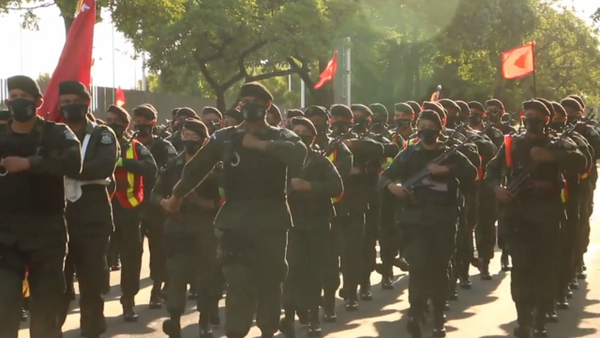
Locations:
130 187
333 158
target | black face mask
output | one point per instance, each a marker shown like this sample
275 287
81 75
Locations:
402 123
493 117
22 110
534 125
463 118
322 128
307 140
378 124
253 112
572 119
117 128
191 146
475 119
340 127
558 126
428 136
144 130
360 124
74 113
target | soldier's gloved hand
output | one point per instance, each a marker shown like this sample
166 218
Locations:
503 195
250 141
300 184
398 190
436 169
14 164
540 154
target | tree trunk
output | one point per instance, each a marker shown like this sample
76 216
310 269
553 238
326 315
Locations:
221 105
68 23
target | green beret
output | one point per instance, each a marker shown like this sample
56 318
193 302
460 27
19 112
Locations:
431 115
494 103
145 110
196 126
548 105
211 110
578 99
379 110
316 111
75 88
293 113
436 107
477 106
257 90
558 108
415 106
300 120
235 114
536 105
341 110
361 108
464 107
119 111
24 83
448 104
572 103
186 112
403 108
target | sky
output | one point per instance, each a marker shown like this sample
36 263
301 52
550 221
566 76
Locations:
24 46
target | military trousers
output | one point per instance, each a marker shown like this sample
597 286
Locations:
485 231
305 257
331 259
193 257
373 221
428 251
586 208
153 230
127 237
388 234
467 221
46 285
254 267
568 242
86 257
352 244
534 247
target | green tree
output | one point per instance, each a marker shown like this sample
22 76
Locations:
215 44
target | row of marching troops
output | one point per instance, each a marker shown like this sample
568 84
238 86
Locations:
252 201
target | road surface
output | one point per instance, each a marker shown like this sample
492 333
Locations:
486 311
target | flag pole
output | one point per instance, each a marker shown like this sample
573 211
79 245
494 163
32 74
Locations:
534 69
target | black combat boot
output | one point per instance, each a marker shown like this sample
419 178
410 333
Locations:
524 316
351 301
504 261
156 296
485 270
314 326
414 326
204 323
329 315
365 291
539 327
129 314
172 327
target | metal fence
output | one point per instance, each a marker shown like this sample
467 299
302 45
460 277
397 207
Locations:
102 97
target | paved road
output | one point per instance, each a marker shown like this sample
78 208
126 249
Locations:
486 311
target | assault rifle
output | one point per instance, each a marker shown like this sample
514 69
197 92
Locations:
516 185
423 175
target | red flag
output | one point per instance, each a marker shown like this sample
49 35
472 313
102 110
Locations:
329 72
120 98
75 61
518 62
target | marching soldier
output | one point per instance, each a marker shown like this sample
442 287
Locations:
232 117
312 208
290 114
212 118
428 218
533 211
144 119
89 212
190 239
36 155
477 122
181 114
134 166
342 158
253 223
494 110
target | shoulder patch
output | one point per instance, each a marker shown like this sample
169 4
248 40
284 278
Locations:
106 137
69 135
287 134
171 150
144 151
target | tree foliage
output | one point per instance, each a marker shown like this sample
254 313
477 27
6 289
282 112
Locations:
216 44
